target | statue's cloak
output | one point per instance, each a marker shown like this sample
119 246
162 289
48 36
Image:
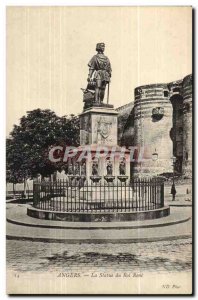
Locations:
102 67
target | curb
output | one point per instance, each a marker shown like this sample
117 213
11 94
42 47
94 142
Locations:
97 241
181 205
9 220
95 216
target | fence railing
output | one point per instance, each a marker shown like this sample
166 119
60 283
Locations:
136 195
19 194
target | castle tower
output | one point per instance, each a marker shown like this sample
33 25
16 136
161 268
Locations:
176 99
152 126
187 127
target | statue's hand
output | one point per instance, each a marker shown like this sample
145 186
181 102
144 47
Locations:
88 79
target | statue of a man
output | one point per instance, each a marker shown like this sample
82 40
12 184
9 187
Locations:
109 168
83 168
76 169
95 168
70 169
100 69
122 167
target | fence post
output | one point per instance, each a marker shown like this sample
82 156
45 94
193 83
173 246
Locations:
162 193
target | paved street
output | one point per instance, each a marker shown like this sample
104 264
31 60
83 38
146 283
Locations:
183 196
165 256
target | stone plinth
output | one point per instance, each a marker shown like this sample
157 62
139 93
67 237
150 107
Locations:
98 217
98 125
98 140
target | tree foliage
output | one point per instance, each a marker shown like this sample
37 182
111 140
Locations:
28 146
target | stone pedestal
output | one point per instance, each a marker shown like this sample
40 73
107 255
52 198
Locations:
99 153
98 125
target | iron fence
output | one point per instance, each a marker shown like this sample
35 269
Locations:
64 196
20 195
136 195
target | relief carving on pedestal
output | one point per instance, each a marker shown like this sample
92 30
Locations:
103 130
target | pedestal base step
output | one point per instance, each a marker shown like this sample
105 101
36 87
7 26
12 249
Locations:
119 216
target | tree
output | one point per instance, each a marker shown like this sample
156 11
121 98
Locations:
29 143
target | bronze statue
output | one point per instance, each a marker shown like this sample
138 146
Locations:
99 73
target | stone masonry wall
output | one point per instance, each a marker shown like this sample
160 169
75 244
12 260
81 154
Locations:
152 123
187 130
125 126
161 122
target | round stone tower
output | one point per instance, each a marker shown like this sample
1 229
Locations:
187 127
152 126
176 99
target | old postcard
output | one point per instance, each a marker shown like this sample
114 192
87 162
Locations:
99 150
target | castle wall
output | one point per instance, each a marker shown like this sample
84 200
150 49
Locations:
187 128
170 135
125 124
129 131
176 98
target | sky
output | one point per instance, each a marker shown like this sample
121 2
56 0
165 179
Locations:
48 49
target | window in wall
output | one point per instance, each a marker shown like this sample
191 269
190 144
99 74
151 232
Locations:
165 93
186 155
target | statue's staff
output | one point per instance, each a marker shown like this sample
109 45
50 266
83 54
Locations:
108 93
